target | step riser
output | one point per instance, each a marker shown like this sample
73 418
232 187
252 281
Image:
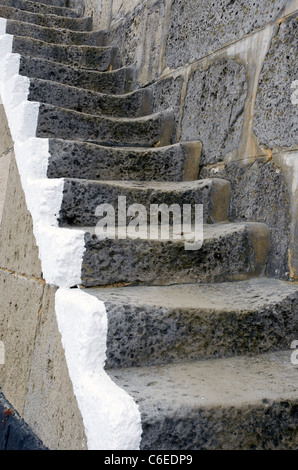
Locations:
100 59
65 124
75 24
252 427
106 163
166 335
131 106
55 36
81 198
40 8
118 81
238 255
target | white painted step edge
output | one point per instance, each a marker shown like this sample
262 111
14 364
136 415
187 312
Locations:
111 417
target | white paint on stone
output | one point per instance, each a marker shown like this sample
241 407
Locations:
110 415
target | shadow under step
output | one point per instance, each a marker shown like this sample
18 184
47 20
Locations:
229 252
131 105
149 131
75 24
115 81
73 159
82 197
158 325
55 35
241 403
88 57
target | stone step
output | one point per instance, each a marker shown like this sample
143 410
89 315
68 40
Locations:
242 403
55 35
158 325
229 252
134 104
41 8
89 57
75 24
115 81
73 159
148 131
81 198
57 3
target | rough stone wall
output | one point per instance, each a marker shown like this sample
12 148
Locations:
226 68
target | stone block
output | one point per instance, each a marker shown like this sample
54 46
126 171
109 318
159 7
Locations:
20 305
199 27
213 108
276 117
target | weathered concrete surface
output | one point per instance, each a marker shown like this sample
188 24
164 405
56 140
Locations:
158 325
276 117
259 192
6 151
213 108
198 28
238 403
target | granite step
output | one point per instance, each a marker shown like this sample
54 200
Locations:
150 326
115 81
82 197
148 131
130 105
41 8
66 37
229 252
88 57
74 159
241 403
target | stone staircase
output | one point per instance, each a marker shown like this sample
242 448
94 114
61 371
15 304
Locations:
200 339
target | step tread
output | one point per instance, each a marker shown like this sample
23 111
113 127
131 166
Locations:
53 34
111 80
133 104
39 7
242 296
224 382
73 24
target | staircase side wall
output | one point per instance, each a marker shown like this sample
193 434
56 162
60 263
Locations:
34 376
228 69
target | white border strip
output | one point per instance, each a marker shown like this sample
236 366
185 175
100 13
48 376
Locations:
110 416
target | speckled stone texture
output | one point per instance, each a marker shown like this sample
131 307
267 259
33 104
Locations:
237 403
276 117
117 81
158 325
199 27
82 197
168 163
213 108
229 251
259 193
